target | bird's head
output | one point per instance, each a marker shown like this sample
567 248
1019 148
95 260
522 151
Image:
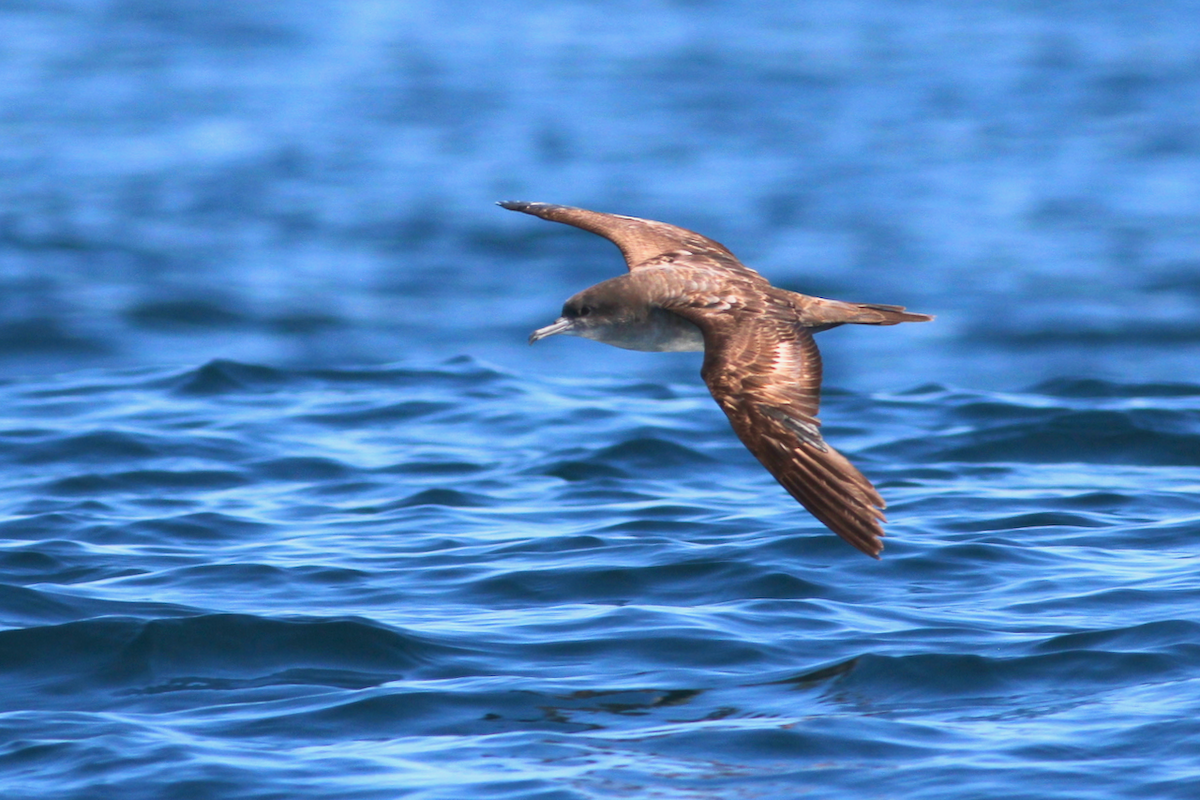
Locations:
592 314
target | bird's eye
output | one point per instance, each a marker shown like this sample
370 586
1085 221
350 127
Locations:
585 310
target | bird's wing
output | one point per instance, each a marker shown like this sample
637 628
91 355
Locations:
765 373
644 242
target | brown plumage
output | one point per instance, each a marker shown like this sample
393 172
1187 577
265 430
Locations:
685 291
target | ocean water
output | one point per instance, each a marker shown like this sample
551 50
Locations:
452 581
289 509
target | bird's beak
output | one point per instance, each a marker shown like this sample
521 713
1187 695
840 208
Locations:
560 325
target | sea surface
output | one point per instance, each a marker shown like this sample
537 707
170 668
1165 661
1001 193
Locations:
288 509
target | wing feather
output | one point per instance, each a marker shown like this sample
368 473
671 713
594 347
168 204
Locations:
645 242
766 375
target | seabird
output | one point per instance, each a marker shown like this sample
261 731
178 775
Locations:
685 291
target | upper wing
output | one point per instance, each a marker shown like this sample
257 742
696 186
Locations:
644 242
765 374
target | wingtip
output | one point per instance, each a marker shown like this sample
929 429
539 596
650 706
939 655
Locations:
554 212
872 546
520 205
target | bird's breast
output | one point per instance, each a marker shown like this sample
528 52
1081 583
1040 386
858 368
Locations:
656 331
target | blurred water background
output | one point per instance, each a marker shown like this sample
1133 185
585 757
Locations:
291 510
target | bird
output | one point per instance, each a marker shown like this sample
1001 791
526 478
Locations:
686 292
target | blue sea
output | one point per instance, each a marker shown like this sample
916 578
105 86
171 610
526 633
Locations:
289 509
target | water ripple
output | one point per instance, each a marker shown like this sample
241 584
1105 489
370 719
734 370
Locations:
232 558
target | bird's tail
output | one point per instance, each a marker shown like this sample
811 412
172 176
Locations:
831 313
876 314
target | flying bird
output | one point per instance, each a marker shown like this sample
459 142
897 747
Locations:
685 291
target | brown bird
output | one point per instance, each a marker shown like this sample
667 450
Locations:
686 292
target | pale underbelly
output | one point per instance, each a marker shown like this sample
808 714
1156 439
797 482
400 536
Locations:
661 332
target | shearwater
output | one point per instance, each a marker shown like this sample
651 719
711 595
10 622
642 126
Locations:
685 291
